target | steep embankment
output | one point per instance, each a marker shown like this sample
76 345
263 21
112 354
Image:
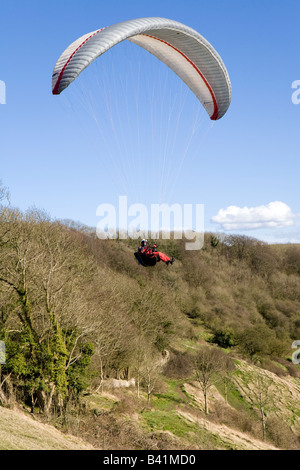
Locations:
229 438
21 432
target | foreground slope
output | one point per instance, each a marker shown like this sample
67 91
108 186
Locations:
19 431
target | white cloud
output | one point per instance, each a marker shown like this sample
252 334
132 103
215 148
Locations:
273 215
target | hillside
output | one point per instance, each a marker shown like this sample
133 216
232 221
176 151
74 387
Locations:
21 432
81 321
175 420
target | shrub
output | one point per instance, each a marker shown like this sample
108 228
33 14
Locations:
281 435
255 340
179 366
224 338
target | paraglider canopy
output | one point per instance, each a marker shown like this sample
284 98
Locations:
183 49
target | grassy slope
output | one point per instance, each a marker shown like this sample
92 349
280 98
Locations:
175 414
19 431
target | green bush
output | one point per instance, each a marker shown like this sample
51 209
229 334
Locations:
224 338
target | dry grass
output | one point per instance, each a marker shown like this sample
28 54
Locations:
21 432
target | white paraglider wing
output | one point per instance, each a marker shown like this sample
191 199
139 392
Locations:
184 50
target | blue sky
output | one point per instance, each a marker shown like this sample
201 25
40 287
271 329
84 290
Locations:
244 168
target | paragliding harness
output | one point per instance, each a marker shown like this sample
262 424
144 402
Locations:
147 257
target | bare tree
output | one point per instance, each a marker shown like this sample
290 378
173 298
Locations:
4 193
44 278
261 399
150 373
208 363
228 368
139 360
